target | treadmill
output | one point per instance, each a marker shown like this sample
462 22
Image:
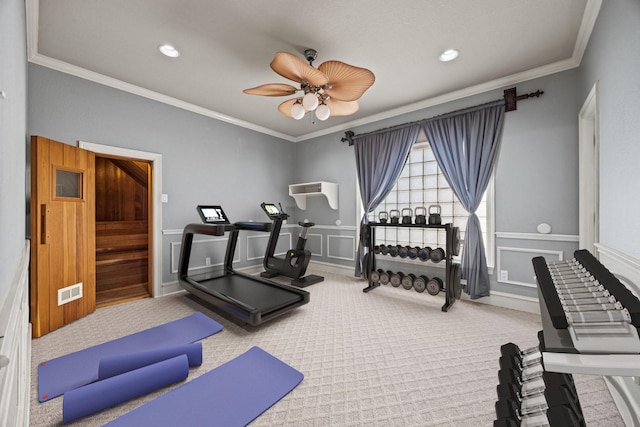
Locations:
245 299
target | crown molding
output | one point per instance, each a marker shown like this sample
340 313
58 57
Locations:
588 22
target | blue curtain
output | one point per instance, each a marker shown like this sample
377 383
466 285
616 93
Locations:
380 157
466 146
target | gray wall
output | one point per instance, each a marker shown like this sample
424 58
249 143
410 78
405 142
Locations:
12 139
613 59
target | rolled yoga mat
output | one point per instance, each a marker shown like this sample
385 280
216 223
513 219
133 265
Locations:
116 365
103 394
56 376
233 394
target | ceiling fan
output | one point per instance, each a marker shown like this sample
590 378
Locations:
332 89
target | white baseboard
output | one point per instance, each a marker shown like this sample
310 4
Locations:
505 300
333 268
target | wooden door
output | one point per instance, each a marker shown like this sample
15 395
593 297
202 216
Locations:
62 234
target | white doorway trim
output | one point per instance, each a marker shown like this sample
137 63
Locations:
156 185
589 171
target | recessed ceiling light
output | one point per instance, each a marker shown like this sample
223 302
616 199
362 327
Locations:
168 50
449 55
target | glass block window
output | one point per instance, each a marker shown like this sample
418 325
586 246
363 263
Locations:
422 184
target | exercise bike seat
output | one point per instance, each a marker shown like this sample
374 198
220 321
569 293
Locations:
306 224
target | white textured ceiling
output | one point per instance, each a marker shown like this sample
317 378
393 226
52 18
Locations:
227 45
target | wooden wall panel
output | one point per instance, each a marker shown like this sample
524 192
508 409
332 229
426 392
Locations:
119 197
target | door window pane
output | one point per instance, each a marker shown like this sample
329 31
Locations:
68 184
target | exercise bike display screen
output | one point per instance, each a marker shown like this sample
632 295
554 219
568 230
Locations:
212 214
271 209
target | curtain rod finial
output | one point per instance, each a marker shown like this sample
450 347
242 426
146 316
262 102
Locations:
348 137
511 99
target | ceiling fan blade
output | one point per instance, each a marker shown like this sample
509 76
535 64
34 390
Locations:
347 82
293 68
285 107
272 89
342 108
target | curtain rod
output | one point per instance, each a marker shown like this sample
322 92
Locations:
510 100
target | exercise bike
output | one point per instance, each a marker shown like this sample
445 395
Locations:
295 262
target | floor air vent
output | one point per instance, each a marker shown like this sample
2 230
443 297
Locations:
70 293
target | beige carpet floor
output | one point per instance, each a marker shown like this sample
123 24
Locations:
390 357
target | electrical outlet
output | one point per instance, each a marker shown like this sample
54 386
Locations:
207 261
504 275
165 198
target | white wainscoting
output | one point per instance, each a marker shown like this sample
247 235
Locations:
537 236
333 254
15 348
219 243
251 242
535 252
625 390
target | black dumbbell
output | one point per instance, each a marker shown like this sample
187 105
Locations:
424 254
526 368
437 255
559 416
510 387
412 253
396 279
393 250
384 249
375 275
524 358
511 349
420 283
385 276
407 281
527 385
376 249
435 285
554 397
403 251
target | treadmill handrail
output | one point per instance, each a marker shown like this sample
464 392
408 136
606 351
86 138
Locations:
254 226
187 239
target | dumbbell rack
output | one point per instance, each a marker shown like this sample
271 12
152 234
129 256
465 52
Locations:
451 294
531 395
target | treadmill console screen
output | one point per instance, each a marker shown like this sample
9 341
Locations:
212 214
271 209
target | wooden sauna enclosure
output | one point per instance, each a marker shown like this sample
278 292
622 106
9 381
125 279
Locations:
122 230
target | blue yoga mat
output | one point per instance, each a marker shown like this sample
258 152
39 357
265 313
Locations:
233 394
103 394
116 365
56 376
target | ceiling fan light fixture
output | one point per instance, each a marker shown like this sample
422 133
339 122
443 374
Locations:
449 55
297 111
323 112
310 101
169 50
330 90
